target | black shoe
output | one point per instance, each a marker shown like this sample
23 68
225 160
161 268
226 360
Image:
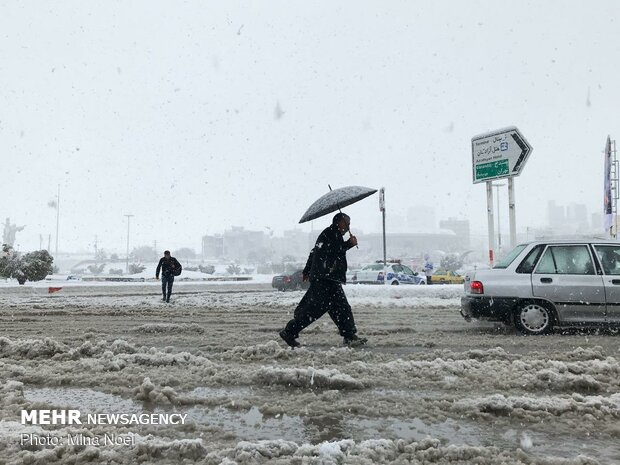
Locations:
164 299
168 300
290 340
354 341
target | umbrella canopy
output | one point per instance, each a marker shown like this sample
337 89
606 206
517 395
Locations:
335 200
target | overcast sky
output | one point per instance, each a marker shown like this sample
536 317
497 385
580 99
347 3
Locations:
195 116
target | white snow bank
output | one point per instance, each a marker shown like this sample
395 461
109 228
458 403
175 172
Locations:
308 378
169 328
501 405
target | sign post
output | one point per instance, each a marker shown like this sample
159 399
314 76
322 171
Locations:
512 213
491 225
382 208
497 155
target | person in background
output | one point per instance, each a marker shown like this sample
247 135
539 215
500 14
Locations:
428 269
326 269
169 267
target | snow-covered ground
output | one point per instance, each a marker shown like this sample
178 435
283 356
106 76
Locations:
429 388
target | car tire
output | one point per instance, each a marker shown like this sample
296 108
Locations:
534 318
395 283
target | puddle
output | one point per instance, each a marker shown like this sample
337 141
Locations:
252 425
84 399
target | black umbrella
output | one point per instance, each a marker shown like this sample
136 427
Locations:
335 200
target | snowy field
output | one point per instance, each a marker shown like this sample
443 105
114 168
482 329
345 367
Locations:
429 389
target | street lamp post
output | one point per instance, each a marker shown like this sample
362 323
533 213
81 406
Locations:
127 264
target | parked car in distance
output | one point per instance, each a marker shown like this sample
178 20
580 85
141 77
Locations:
396 274
447 277
543 284
352 276
289 282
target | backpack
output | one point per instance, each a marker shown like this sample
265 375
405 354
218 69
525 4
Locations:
177 268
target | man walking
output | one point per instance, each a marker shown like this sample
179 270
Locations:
326 269
169 267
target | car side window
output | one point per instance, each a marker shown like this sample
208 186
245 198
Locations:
528 264
407 270
397 269
566 259
609 256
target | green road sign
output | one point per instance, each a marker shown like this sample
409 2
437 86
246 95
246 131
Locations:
493 169
499 154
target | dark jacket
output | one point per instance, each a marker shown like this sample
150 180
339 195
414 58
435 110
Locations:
167 267
328 258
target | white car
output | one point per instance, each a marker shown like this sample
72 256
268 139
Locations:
396 274
548 283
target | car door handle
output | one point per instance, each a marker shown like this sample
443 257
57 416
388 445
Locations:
615 281
546 280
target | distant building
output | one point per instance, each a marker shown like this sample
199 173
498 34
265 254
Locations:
293 243
242 245
577 216
404 246
556 217
572 219
212 247
253 247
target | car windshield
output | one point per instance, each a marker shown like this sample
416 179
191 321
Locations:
508 259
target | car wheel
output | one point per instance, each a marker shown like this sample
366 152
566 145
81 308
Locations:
422 282
534 318
395 283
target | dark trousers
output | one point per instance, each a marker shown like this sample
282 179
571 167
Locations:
166 285
323 297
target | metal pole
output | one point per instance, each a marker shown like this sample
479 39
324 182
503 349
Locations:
512 212
491 226
382 208
127 264
384 245
384 251
499 229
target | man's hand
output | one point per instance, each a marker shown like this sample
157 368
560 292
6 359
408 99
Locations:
353 240
304 277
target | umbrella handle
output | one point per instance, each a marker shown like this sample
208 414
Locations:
350 234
